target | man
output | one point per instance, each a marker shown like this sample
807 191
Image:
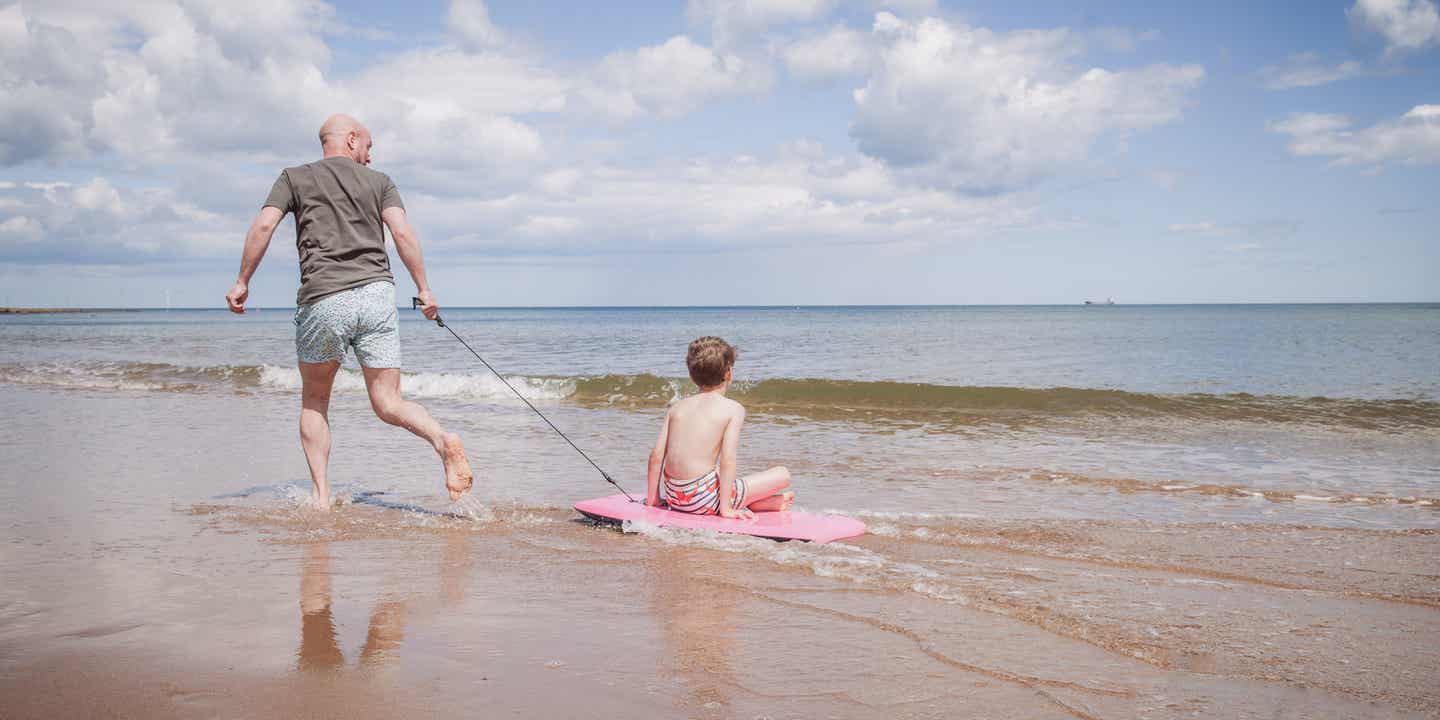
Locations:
347 294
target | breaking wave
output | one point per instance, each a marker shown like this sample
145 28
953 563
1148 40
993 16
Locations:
859 400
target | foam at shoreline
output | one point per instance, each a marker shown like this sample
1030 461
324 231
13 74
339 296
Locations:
846 399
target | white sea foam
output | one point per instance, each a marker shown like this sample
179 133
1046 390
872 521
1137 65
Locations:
896 516
838 561
99 377
471 508
459 386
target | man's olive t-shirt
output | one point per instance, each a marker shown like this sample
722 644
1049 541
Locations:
337 204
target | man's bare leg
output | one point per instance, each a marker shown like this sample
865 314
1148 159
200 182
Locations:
383 385
316 381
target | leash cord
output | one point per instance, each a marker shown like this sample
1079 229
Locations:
415 303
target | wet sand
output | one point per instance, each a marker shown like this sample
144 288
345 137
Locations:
528 612
153 567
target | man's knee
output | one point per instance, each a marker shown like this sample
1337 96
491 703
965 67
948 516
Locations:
387 408
315 398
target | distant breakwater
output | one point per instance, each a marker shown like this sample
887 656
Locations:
47 311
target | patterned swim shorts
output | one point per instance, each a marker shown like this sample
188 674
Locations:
364 318
701 496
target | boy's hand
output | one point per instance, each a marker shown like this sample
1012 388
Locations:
741 514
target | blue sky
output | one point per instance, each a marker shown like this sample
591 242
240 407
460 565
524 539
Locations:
739 151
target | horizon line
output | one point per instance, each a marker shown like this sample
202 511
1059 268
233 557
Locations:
22 309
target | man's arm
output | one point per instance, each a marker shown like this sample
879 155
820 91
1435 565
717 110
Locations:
256 242
408 246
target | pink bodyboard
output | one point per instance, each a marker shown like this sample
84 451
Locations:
790 525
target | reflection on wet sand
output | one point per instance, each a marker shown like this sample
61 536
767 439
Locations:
698 628
319 642
319 648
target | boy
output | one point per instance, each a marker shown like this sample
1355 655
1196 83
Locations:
695 452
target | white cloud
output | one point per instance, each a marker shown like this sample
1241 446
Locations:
469 20
161 82
732 21
972 110
802 197
1116 39
1201 228
1307 70
442 109
96 222
153 80
838 52
909 7
447 79
1164 178
1271 230
548 225
47 78
559 182
1405 24
1412 139
20 228
669 80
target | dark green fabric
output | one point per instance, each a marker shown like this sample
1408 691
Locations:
337 204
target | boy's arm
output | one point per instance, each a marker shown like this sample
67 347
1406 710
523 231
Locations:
729 443
657 463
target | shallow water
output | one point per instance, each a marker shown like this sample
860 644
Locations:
1114 558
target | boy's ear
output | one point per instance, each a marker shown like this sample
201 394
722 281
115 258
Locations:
729 373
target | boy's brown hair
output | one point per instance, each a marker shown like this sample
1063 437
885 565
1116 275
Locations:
707 359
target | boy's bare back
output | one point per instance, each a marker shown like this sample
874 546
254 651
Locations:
695 433
693 461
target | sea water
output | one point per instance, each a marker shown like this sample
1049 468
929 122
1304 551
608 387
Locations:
1111 511
1327 413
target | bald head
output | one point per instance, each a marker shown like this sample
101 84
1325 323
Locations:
344 136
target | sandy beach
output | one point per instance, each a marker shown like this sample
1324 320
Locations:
1115 324
156 569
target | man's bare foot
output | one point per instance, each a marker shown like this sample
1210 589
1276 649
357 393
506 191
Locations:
458 477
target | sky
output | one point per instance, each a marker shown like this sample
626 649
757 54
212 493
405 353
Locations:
738 152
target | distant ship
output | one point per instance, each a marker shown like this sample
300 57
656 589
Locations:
1108 301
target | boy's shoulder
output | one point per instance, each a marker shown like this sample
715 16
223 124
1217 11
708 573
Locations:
729 408
709 404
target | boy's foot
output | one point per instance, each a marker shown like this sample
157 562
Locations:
319 503
787 499
779 502
458 477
